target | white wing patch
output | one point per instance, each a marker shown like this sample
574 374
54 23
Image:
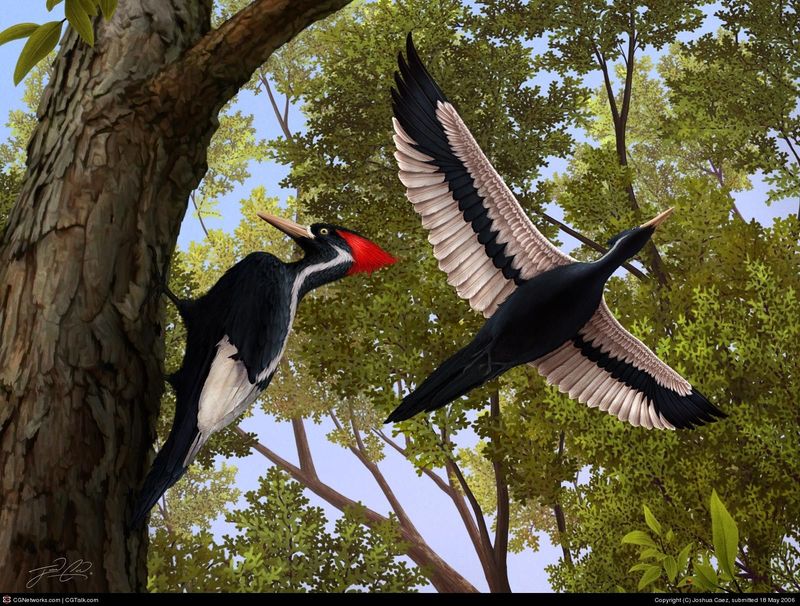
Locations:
455 244
226 394
584 381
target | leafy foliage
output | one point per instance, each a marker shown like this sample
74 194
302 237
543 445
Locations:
692 568
282 544
42 39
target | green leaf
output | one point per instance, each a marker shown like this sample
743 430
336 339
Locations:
53 3
108 7
638 537
40 43
653 552
683 557
670 536
706 575
670 567
725 535
640 566
652 523
650 575
89 7
15 32
78 19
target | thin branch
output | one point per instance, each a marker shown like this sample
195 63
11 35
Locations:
483 551
476 507
788 142
716 171
199 216
629 69
558 512
435 477
443 577
286 113
281 121
591 244
501 488
612 102
621 50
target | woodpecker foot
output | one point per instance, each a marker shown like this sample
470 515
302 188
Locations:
163 287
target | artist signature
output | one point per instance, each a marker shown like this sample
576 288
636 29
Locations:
60 569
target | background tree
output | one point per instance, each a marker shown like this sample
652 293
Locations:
708 273
281 543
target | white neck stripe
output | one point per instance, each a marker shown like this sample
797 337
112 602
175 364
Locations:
342 256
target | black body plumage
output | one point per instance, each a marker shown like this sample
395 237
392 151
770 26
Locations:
249 304
543 313
236 334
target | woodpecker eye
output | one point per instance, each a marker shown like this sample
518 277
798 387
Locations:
324 231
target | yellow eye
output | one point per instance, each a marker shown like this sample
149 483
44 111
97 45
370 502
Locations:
324 231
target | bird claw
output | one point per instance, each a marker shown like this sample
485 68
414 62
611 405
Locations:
163 286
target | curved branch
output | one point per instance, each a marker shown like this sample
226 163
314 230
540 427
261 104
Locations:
224 59
442 576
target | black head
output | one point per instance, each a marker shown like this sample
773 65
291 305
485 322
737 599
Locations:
628 243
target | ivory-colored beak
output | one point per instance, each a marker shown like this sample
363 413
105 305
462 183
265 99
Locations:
659 219
290 228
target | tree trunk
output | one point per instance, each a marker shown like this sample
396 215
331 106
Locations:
120 144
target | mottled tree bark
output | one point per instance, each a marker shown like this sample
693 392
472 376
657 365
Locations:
121 143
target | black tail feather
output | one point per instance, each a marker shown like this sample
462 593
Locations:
167 469
464 371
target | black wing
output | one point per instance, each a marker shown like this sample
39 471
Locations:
255 304
235 336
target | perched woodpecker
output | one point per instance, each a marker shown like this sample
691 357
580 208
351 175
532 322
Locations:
544 308
236 334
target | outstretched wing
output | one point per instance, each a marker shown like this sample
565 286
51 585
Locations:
481 237
606 367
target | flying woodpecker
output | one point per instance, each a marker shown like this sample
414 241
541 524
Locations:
237 333
544 308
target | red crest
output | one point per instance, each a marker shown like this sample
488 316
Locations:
367 256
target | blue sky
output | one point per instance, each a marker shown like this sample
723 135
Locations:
426 505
